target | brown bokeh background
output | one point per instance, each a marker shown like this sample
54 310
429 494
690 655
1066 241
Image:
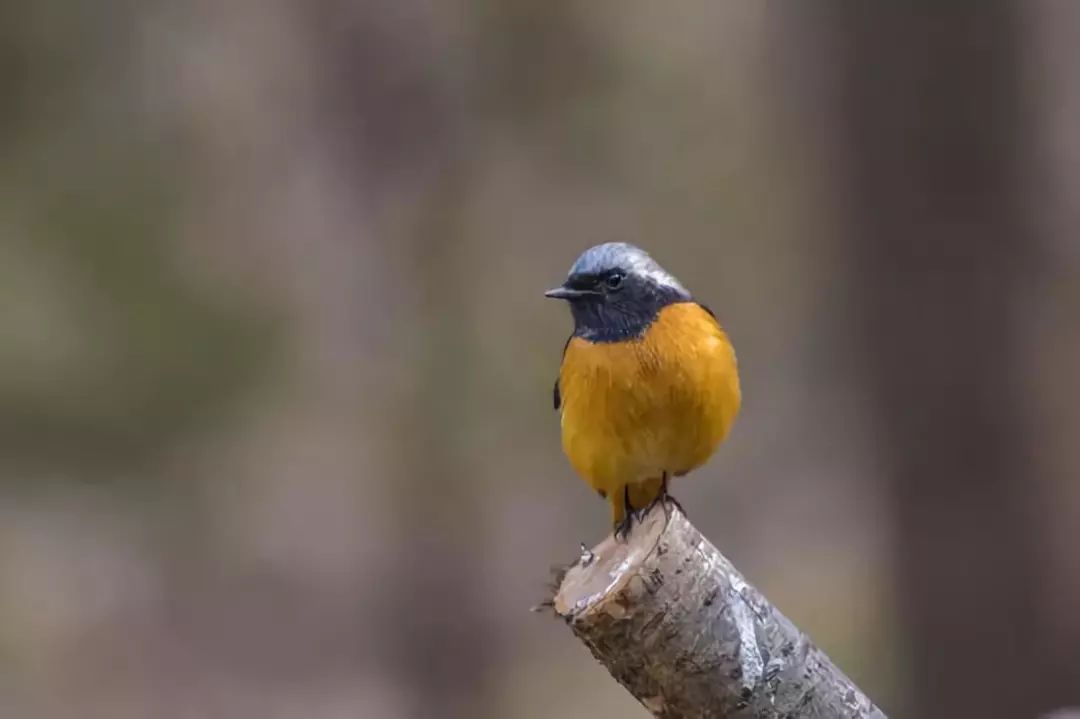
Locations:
276 436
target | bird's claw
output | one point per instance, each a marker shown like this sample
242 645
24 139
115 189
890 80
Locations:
672 502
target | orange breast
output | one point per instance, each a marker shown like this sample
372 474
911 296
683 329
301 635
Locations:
659 403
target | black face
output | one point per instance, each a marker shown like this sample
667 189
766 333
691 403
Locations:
613 304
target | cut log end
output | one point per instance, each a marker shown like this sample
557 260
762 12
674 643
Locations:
678 626
598 575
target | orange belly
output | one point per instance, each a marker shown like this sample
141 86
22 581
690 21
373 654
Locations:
635 409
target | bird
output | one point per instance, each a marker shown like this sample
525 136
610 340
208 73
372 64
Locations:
648 386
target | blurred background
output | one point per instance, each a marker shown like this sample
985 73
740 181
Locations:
276 436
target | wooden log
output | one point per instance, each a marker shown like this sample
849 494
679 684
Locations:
678 626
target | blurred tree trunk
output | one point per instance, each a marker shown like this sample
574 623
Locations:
404 134
429 125
932 129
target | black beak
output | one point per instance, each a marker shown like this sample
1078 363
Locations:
565 293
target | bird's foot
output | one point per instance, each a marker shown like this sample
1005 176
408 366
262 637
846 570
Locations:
670 501
623 526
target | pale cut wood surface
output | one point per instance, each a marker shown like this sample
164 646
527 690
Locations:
678 626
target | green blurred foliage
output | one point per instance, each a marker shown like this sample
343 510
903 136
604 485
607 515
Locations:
109 351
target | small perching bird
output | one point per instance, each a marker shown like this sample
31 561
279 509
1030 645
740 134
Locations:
648 386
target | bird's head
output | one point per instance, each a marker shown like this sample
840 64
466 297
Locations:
615 291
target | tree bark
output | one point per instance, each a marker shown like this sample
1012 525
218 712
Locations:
678 626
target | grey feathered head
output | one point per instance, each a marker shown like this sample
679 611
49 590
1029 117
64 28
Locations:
615 290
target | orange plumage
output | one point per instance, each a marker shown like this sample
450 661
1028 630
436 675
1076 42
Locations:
647 406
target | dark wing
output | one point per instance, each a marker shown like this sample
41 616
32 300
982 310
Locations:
558 395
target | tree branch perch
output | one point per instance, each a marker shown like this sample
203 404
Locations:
678 626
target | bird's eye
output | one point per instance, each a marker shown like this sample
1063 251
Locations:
614 280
